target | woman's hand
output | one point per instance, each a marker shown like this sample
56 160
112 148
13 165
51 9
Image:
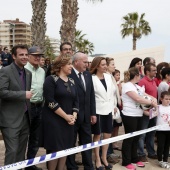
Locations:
146 112
75 115
70 119
115 109
154 103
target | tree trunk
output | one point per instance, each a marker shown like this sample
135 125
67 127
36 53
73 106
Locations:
38 25
134 43
69 14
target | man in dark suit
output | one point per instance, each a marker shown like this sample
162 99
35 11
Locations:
87 110
15 84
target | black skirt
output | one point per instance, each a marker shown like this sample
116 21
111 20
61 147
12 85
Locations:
103 124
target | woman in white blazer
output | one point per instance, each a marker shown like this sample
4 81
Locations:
117 103
104 95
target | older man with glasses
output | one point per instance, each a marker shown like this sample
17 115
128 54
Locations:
38 77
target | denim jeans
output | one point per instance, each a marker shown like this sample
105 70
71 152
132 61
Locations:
33 144
147 123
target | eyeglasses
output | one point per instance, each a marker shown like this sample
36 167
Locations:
67 49
36 56
68 87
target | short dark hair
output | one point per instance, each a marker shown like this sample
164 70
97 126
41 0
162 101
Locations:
115 72
164 72
14 49
5 48
164 93
146 61
65 43
148 67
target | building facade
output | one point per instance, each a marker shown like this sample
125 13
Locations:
13 32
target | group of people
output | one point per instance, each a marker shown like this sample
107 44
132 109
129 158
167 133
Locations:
58 105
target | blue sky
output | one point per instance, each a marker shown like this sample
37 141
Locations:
101 21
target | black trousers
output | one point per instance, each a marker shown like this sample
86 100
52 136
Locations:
33 143
84 132
129 146
163 138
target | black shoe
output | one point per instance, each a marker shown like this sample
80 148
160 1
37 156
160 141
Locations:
107 167
100 168
33 168
152 156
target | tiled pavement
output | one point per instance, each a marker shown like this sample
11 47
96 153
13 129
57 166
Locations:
152 165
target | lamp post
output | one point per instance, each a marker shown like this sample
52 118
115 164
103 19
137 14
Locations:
12 26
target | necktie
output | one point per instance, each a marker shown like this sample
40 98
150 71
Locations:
81 80
21 75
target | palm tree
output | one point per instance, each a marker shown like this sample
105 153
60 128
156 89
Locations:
38 25
82 44
78 39
87 47
69 14
135 26
49 50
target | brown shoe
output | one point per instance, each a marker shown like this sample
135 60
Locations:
143 159
112 160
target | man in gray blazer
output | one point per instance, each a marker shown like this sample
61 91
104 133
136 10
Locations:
15 85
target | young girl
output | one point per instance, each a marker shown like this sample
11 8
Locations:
116 125
163 134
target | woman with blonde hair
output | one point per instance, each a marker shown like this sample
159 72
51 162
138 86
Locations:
104 95
131 116
117 103
59 111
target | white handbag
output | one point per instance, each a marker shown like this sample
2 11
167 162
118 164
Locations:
116 116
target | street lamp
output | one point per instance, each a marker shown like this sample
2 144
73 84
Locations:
12 26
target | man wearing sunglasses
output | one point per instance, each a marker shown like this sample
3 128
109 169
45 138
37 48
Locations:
38 77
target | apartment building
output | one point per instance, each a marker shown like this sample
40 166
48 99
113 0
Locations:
14 32
55 43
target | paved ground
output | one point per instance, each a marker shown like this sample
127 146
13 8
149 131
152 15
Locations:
152 165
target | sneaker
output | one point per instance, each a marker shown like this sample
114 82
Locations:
111 159
164 164
143 159
140 164
130 167
152 156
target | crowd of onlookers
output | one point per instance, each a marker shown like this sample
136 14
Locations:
71 101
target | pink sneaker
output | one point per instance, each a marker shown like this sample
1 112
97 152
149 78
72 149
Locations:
140 164
130 167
